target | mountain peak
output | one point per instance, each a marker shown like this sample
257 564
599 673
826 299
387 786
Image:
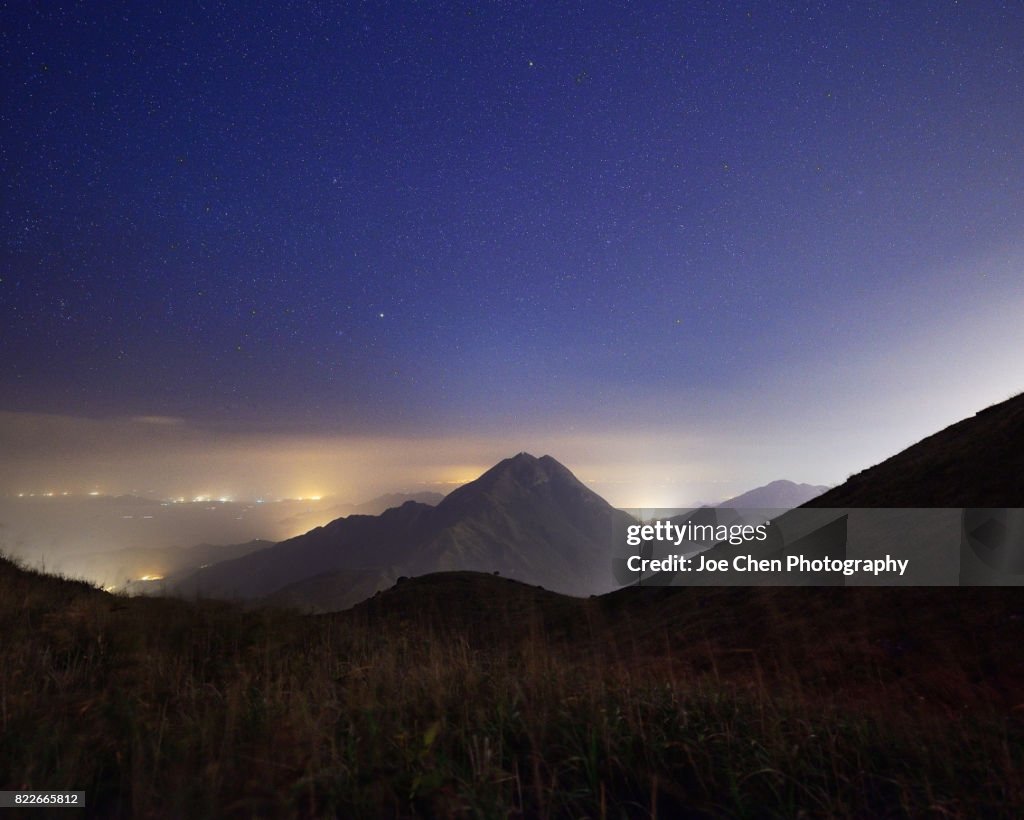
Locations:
778 494
524 469
520 459
522 479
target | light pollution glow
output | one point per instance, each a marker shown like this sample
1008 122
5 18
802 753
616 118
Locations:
690 445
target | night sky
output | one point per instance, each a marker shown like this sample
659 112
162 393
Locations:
677 246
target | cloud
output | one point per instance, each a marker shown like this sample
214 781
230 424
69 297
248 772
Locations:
172 457
163 421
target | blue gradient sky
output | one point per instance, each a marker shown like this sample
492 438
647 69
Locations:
683 248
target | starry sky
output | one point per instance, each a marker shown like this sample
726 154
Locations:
686 248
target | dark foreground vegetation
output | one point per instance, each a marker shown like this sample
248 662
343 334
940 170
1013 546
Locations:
467 695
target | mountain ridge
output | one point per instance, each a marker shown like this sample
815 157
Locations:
781 493
526 517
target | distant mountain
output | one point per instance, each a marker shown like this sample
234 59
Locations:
907 506
353 543
374 506
527 518
117 567
776 495
385 502
977 462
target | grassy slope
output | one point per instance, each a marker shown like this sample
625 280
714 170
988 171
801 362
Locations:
466 694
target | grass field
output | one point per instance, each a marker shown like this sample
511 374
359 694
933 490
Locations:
468 695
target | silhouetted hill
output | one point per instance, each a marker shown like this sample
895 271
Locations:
482 607
837 641
875 702
329 591
977 462
527 518
26 587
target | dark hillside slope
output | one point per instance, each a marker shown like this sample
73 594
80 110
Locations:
465 690
26 588
977 462
953 647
